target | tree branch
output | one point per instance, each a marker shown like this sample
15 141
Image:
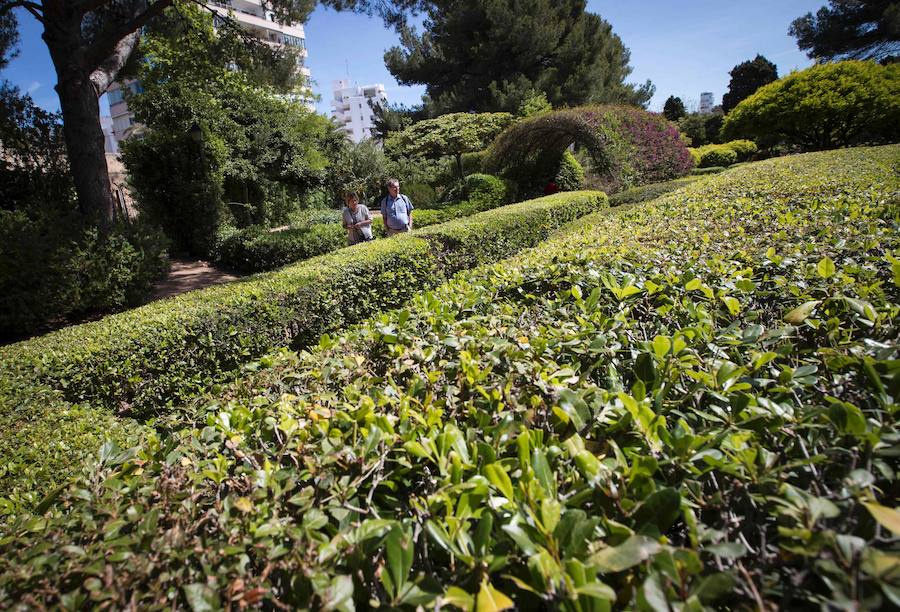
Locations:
86 6
106 73
107 44
35 9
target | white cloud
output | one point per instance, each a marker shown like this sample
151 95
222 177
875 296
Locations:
33 87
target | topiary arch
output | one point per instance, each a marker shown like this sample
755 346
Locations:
545 137
627 145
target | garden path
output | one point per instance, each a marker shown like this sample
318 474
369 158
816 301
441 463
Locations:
186 275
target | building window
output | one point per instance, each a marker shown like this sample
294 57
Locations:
294 41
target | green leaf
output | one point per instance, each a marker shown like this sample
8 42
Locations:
733 305
500 479
825 267
399 557
542 471
455 596
596 590
799 314
491 600
636 549
889 518
201 598
661 509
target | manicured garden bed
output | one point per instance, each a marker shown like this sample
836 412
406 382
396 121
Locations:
682 404
59 393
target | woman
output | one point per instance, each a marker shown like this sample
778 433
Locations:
357 220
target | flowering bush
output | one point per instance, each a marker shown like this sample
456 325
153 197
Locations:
627 146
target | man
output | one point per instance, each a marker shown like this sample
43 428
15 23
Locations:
396 210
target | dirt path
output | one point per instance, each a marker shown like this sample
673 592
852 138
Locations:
187 275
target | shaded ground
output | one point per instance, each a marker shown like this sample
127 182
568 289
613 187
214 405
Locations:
187 275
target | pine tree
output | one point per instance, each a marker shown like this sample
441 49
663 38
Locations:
746 78
492 55
850 29
673 109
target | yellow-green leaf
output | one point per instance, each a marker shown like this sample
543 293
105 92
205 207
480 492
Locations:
825 267
491 600
500 479
244 504
889 518
799 314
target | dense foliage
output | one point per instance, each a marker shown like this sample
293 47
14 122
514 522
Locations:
256 154
746 78
723 155
702 129
823 107
626 146
448 136
53 268
673 109
492 56
570 175
854 29
685 404
142 362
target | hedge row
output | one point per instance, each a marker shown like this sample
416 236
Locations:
257 249
685 405
142 362
723 155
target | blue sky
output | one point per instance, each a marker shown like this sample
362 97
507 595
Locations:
683 47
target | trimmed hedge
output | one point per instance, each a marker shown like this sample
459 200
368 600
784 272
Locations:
686 405
142 362
257 249
722 155
649 192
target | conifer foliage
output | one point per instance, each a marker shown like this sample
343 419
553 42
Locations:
492 56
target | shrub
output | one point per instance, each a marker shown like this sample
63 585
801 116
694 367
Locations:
649 192
823 107
711 170
627 146
570 176
421 195
696 157
52 270
651 408
177 185
716 155
143 361
744 149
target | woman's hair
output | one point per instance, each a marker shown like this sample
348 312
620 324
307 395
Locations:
351 195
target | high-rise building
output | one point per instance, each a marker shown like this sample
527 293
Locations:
352 110
254 19
706 102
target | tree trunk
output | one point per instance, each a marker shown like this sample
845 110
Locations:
81 79
85 145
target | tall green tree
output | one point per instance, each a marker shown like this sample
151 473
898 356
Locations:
673 109
825 106
449 135
850 29
490 56
215 134
91 41
746 78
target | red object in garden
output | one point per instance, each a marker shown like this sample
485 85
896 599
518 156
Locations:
551 188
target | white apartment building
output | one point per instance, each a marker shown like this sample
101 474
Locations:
253 18
350 107
706 102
